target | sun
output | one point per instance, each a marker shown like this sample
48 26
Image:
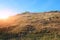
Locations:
4 16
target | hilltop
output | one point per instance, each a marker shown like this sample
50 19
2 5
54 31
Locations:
31 26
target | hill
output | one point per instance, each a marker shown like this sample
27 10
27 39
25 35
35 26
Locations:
31 26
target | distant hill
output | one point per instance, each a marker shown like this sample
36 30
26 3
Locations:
31 26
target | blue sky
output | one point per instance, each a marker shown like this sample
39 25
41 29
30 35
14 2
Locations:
17 6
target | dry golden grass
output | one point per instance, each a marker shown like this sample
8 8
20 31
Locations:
32 26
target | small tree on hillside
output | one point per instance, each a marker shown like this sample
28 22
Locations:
26 12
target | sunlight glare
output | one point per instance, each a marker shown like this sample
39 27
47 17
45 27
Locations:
4 14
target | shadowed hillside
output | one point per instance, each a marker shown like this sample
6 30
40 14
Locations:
31 26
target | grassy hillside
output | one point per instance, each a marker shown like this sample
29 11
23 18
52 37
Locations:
31 26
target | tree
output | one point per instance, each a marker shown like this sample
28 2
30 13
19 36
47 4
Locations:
26 12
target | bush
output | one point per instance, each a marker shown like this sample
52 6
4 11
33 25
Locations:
55 11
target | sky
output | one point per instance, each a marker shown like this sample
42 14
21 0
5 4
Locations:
17 6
